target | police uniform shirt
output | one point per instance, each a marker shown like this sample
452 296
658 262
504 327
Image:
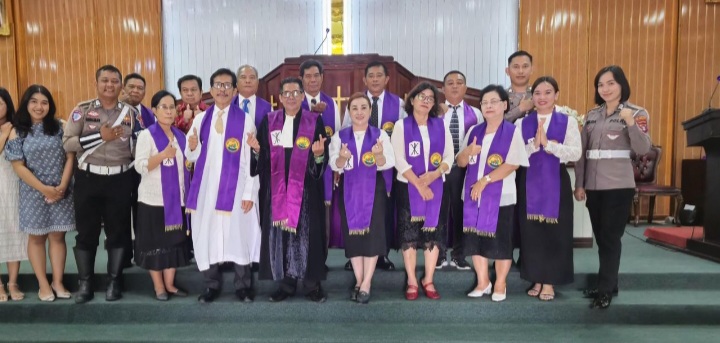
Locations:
347 121
514 112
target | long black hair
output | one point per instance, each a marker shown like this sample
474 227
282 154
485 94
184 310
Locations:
5 95
23 121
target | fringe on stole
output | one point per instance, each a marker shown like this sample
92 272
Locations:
542 219
169 228
360 232
470 229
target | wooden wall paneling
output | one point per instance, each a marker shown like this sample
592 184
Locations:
8 60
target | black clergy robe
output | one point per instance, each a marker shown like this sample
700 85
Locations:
282 254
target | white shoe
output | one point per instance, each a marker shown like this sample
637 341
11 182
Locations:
496 297
477 294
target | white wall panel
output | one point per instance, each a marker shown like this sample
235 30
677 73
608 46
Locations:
200 36
432 37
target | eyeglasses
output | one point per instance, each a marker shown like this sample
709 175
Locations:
425 98
492 102
165 108
222 85
288 94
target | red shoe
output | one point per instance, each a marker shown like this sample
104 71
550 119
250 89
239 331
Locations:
411 293
434 295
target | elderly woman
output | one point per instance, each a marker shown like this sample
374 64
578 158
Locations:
360 153
423 155
545 204
492 151
13 241
36 152
161 239
604 173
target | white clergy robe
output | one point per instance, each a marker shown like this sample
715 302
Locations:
221 237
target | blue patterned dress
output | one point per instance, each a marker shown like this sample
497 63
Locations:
45 157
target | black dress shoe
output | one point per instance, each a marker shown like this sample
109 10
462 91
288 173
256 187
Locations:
348 266
279 296
209 295
317 295
244 295
593 293
602 301
162 296
179 293
363 297
384 263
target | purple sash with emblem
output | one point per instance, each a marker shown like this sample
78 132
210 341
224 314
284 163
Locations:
169 177
482 218
329 119
470 117
391 114
287 196
420 210
233 143
147 118
542 183
359 181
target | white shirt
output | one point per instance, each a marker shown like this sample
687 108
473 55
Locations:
251 105
398 143
569 151
150 189
335 145
347 121
516 156
461 117
337 110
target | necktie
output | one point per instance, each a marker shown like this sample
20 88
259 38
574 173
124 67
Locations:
455 130
219 123
245 105
374 113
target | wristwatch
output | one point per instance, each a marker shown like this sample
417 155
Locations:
488 178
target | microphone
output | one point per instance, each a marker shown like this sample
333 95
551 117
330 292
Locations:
327 30
713 93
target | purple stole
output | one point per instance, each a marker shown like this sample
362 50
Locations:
329 119
262 108
470 117
420 210
287 194
233 142
147 118
542 183
359 181
482 219
170 179
391 114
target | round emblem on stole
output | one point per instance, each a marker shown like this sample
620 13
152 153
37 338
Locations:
494 161
188 165
329 131
302 142
232 145
368 159
436 159
388 127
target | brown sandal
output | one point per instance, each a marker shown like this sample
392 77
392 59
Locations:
547 296
533 291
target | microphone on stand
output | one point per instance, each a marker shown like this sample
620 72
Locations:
713 93
327 31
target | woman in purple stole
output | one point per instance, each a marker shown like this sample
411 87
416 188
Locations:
492 151
360 153
545 204
423 155
161 237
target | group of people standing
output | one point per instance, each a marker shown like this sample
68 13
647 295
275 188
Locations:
249 184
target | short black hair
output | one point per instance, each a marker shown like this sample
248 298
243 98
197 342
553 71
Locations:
549 79
223 71
291 80
108 67
309 64
131 76
376 64
5 95
504 96
415 91
23 121
454 72
518 54
189 77
619 76
159 96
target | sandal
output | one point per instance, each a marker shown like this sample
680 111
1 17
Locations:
15 293
547 296
534 290
3 294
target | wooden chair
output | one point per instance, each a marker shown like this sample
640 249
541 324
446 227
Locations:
645 169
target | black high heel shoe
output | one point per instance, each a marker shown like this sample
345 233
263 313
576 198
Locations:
602 301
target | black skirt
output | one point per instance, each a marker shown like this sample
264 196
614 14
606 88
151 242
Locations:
547 249
410 234
372 243
499 247
156 249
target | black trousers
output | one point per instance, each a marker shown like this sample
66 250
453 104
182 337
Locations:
243 276
289 285
609 211
103 199
390 220
452 190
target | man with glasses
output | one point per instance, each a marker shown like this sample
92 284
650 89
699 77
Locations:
190 87
519 70
223 194
247 99
291 159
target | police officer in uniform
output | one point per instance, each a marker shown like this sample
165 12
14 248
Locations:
100 132
519 70
604 174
